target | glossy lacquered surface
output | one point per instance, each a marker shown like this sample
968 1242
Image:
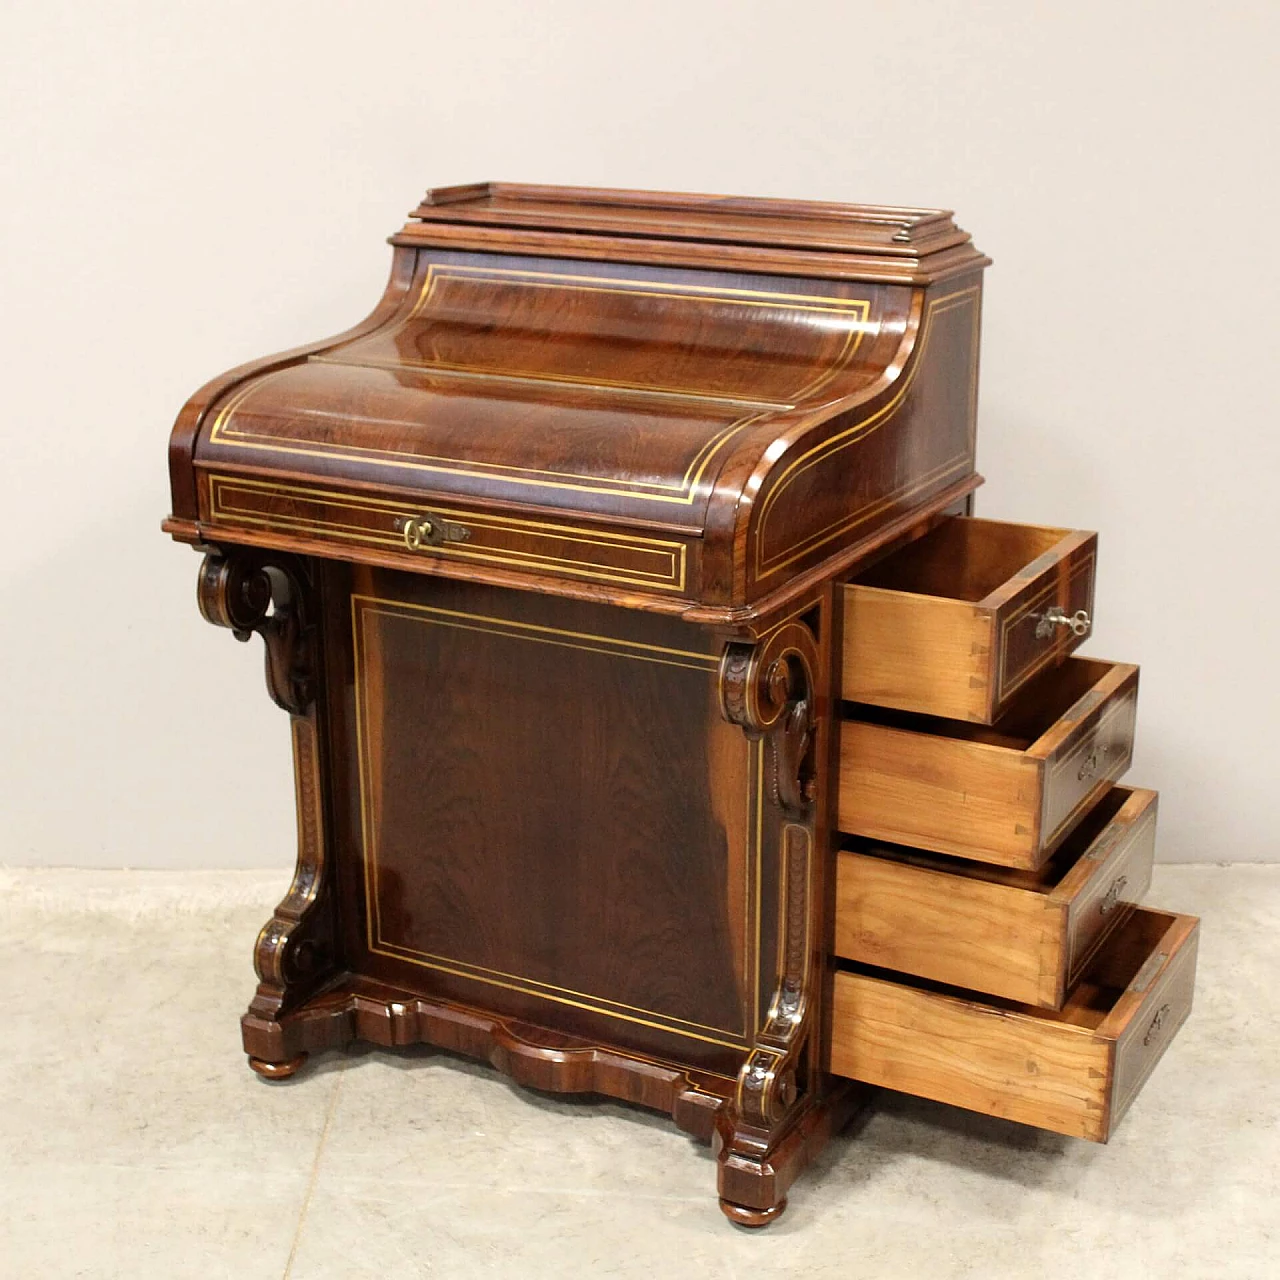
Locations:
549 559
579 419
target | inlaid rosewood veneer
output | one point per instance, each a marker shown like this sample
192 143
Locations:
614 567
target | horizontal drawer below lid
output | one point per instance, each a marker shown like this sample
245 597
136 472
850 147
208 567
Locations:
416 532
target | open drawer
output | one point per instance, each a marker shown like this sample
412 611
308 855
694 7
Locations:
1008 794
1024 935
955 623
1074 1072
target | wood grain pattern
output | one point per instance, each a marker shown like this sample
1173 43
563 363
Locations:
1021 935
1007 795
573 414
1073 1072
955 623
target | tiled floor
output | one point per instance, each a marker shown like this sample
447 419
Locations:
134 1141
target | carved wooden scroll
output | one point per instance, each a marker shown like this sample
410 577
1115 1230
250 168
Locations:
768 689
273 596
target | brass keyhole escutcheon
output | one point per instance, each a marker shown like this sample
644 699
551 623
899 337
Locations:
420 532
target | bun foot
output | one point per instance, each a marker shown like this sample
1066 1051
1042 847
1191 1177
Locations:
746 1216
277 1070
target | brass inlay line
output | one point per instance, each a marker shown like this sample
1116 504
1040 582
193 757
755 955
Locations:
483 374
676 552
482 972
682 493
413 958
941 472
364 606
620 648
843 439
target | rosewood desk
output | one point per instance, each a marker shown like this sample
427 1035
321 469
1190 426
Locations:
664 724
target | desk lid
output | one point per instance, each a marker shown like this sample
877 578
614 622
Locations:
592 421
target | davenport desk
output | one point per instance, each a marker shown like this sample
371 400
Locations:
664 724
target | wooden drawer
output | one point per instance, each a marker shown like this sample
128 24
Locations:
1024 935
1008 794
1074 1072
390 529
955 623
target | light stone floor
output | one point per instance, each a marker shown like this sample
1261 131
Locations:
134 1141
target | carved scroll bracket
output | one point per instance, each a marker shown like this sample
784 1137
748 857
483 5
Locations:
257 592
250 592
768 689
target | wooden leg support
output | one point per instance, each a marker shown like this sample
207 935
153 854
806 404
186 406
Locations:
753 1187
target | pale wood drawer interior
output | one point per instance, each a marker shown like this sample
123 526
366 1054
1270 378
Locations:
1074 1071
1008 794
956 622
1023 935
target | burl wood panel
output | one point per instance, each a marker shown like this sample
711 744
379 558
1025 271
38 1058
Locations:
1023 935
1008 794
958 621
1073 1072
583 853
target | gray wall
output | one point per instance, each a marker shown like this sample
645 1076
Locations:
188 186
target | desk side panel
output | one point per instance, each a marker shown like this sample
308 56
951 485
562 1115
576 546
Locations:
541 813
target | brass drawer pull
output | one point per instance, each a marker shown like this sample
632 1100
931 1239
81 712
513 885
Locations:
430 531
1055 616
1111 899
1156 1023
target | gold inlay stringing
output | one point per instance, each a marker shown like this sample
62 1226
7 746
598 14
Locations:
362 607
671 555
683 492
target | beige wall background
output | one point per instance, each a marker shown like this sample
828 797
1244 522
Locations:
184 187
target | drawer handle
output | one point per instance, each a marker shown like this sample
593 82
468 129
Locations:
1056 616
430 531
1111 899
1089 766
1156 1023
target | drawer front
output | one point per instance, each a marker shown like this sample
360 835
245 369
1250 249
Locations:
410 533
950 927
956 623
1047 619
1096 753
1025 936
1073 1072
1008 796
1166 1005
1118 870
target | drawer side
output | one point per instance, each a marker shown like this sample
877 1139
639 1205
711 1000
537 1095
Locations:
1041 1072
963 931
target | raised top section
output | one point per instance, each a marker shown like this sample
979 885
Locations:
850 241
680 403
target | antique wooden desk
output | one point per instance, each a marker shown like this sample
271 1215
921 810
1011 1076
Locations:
664 725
